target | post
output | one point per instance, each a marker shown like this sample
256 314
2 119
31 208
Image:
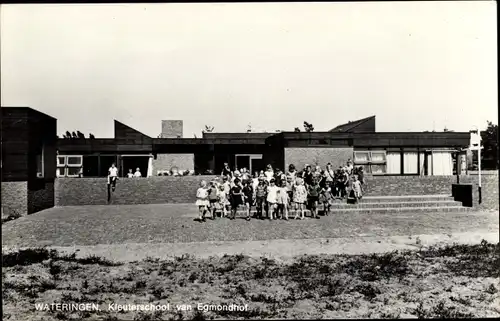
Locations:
457 166
479 168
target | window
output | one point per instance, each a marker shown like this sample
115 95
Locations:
361 157
39 163
410 162
69 165
374 162
61 161
394 163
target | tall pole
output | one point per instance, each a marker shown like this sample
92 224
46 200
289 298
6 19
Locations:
479 167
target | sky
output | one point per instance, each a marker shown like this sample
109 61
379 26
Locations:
417 66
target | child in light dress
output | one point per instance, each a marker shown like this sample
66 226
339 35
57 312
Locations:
356 191
282 204
213 198
272 198
202 200
223 200
299 198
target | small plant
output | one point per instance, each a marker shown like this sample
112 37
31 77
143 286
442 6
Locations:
491 289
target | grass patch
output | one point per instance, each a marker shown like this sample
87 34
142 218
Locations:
389 285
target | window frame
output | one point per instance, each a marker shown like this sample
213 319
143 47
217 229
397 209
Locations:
63 168
367 164
74 165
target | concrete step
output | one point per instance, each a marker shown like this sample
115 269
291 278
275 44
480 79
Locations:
406 198
437 209
396 204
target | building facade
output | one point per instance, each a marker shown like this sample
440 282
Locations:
29 143
380 153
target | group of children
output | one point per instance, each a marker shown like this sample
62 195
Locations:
277 194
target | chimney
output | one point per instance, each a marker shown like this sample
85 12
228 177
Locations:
171 129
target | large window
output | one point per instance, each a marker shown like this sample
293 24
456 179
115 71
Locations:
69 165
410 161
374 162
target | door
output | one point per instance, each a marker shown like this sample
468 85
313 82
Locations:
257 165
242 161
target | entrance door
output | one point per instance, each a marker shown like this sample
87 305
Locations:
257 165
242 161
252 162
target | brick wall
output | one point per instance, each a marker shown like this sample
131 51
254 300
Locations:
171 128
322 156
165 162
15 197
152 190
429 185
167 189
41 198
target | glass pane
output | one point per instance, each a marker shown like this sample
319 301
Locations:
75 160
378 156
410 160
378 169
394 163
61 172
360 157
61 160
73 171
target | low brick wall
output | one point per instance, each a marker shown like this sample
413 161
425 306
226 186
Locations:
168 189
14 198
151 190
429 185
40 197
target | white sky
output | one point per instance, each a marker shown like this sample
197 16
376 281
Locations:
415 65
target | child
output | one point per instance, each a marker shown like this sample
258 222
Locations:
326 199
255 180
282 204
272 198
213 198
112 176
269 173
289 188
137 172
313 196
223 200
356 189
299 197
236 197
248 197
202 200
260 196
130 173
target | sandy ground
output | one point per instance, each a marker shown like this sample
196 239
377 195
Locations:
278 249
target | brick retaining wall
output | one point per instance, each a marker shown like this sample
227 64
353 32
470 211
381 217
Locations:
151 190
15 198
167 189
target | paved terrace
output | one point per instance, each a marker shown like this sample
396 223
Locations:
173 223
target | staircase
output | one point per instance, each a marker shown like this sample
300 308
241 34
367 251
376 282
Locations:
393 204
413 204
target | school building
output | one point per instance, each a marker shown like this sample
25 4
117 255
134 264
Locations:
381 153
40 170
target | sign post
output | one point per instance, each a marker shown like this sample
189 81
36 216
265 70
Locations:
475 144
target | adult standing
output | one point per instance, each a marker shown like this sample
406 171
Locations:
226 171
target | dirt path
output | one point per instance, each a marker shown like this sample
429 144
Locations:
279 249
